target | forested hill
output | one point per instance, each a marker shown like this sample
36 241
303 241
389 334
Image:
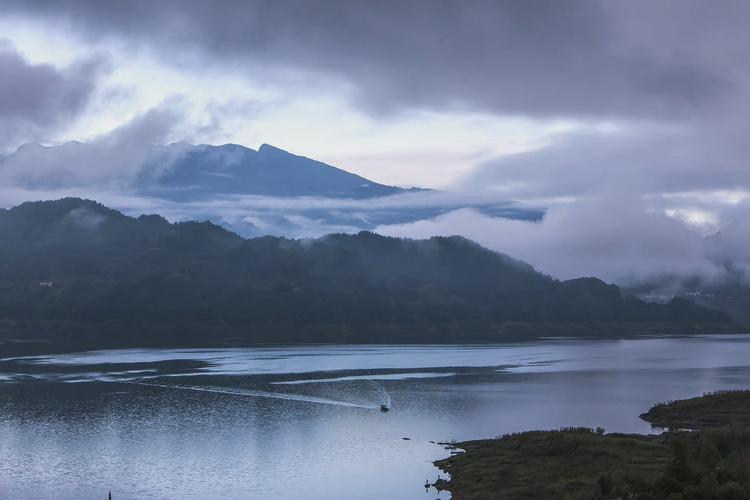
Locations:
76 262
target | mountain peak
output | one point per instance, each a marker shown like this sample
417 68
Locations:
268 148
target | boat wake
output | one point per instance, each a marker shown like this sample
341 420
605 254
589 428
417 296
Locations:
262 394
385 398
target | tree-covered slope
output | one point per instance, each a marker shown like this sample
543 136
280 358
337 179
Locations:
78 261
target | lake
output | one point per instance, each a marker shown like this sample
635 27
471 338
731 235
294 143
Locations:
305 421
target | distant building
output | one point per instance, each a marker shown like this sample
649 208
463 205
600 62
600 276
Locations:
46 284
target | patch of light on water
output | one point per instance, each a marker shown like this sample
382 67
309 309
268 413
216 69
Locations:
390 376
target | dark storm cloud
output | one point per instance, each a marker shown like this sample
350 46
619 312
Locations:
539 57
37 98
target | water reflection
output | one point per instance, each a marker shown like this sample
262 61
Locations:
304 422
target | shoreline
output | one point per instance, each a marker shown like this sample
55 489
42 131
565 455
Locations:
39 337
582 463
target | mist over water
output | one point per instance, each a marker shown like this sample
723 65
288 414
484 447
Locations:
304 422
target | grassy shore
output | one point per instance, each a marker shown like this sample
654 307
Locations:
705 412
711 462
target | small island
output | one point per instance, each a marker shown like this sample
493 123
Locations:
705 454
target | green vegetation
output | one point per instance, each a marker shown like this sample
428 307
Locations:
710 463
72 267
713 410
576 463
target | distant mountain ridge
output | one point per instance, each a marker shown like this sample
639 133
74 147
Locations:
204 171
144 280
182 171
265 192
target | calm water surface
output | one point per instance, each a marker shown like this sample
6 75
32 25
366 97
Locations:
304 422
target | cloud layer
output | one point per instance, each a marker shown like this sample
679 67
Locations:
639 110
110 160
638 162
610 238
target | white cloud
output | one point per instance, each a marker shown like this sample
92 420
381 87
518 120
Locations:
613 238
112 159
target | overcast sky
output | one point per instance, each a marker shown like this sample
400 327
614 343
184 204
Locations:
563 104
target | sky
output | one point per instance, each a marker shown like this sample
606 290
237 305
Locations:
628 121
